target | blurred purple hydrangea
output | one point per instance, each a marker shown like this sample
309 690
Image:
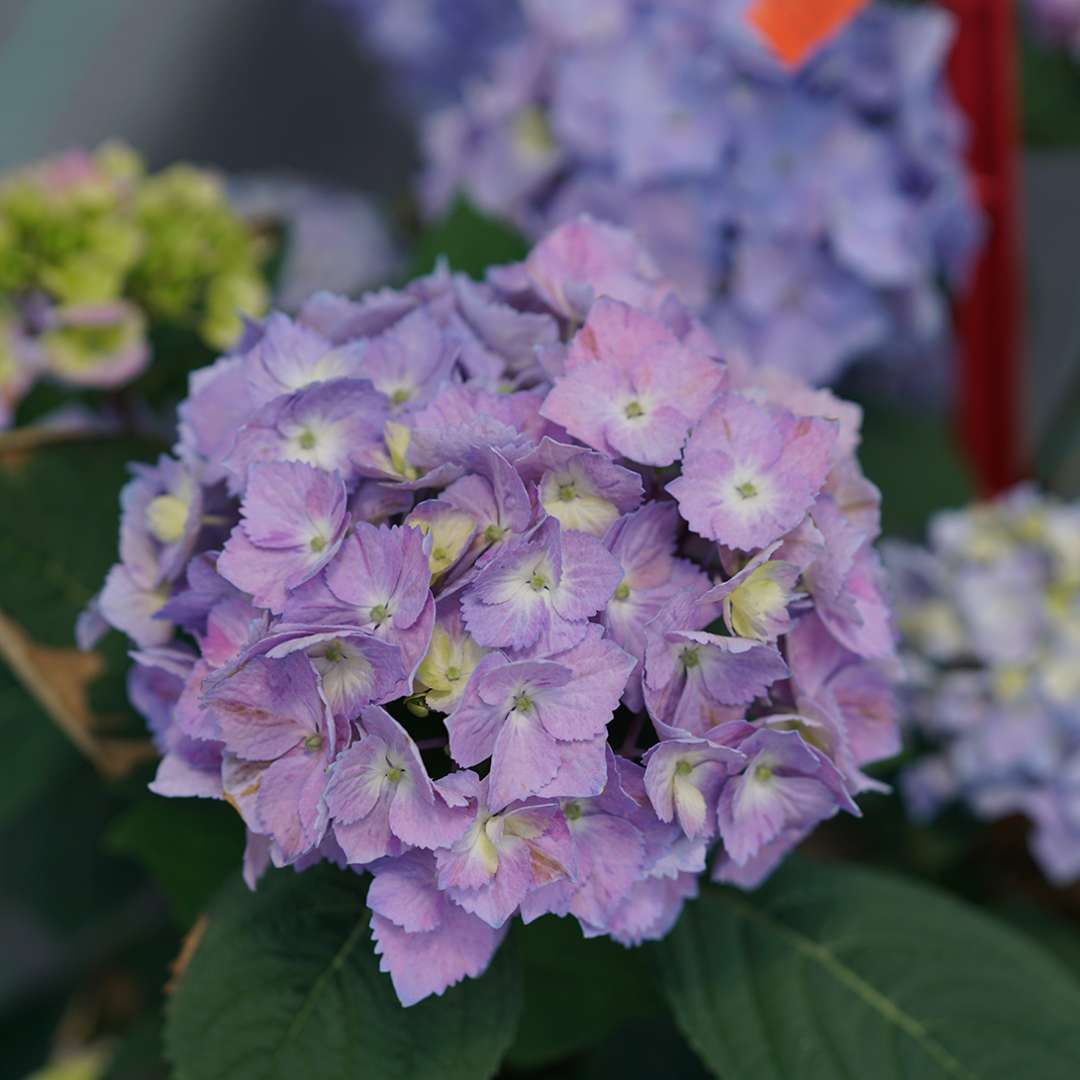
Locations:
1057 22
459 621
430 46
990 621
811 217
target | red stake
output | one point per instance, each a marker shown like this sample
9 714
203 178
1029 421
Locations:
982 69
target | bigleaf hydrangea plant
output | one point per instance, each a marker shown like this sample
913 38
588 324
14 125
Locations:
513 594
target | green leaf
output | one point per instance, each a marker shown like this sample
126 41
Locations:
58 540
37 751
469 241
577 991
829 971
189 845
285 984
138 1054
1051 95
916 462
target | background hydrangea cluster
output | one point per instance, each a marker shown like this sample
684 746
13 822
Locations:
1057 22
92 250
513 594
811 215
990 618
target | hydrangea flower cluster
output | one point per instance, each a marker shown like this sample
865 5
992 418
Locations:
431 46
513 594
810 215
990 621
92 250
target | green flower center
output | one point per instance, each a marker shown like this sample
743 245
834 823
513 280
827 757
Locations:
572 811
538 581
622 591
689 658
400 395
762 773
633 410
453 674
493 533
318 543
307 440
683 768
313 742
746 490
522 702
379 614
567 493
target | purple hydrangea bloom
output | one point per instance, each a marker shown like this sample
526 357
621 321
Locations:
751 471
645 674
810 213
989 617
518 712
630 387
424 940
294 523
381 798
541 592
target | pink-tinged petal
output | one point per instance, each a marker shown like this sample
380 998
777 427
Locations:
860 617
403 891
582 770
734 671
750 472
357 781
133 608
610 853
582 707
515 622
256 858
475 723
290 803
269 706
177 776
422 964
590 575
754 870
369 838
284 500
415 821
524 758
651 908
630 387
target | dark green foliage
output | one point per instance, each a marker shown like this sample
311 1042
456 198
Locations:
832 971
285 984
190 846
469 241
915 461
577 990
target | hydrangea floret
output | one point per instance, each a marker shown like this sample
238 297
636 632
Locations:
513 594
990 619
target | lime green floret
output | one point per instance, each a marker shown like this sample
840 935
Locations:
200 263
77 244
93 229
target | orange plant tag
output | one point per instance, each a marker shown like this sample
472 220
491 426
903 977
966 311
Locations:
795 28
